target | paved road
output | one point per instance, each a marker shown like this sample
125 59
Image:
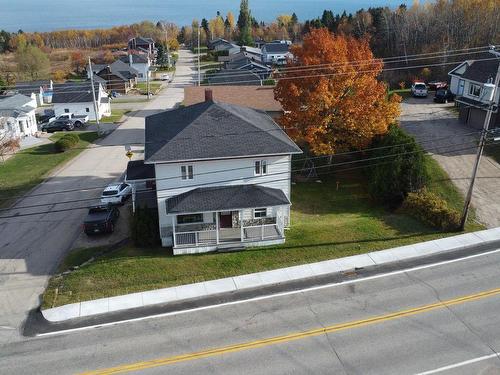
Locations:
415 341
31 246
453 146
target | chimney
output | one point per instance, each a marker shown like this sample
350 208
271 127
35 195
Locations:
209 95
130 59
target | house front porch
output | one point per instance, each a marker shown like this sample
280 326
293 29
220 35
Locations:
234 217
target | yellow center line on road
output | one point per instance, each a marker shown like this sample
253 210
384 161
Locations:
293 336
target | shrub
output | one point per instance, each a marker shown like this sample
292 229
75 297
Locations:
66 142
432 210
398 167
144 229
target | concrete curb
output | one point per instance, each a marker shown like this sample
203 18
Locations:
267 278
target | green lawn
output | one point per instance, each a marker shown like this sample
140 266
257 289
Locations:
29 167
154 87
404 93
326 223
116 115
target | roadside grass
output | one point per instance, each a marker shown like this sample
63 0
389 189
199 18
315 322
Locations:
326 223
154 87
139 99
404 93
116 116
30 167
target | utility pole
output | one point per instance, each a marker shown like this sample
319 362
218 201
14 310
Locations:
165 26
199 68
480 149
96 106
147 85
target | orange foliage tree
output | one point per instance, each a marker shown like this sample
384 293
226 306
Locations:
330 94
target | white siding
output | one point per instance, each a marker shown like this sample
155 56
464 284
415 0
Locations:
220 173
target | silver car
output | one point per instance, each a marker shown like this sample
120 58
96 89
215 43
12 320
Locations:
116 193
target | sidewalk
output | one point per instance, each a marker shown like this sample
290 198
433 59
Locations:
268 278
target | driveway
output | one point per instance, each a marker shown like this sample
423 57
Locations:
32 246
453 145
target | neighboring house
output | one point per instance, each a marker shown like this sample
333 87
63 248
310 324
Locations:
77 98
259 43
256 97
141 63
17 115
243 62
223 176
41 91
250 52
141 44
234 77
276 53
119 77
220 44
467 82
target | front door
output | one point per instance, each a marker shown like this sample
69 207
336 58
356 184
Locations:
225 220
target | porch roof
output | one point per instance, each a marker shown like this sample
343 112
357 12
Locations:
225 198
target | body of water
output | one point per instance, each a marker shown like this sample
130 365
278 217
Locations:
31 15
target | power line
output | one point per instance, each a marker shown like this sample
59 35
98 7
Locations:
212 184
243 168
267 175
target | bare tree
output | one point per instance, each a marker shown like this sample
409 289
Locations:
8 142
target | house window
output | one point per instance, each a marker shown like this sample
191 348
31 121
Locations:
141 75
190 219
87 109
187 172
474 90
260 167
259 213
66 110
461 85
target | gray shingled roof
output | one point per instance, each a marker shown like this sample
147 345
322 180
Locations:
212 130
275 48
482 71
136 59
234 77
224 198
74 92
137 170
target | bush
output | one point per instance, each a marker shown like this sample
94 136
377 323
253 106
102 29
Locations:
66 142
144 228
432 210
397 167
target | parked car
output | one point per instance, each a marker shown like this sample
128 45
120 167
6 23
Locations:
443 96
165 77
77 120
115 94
116 193
100 219
419 89
57 125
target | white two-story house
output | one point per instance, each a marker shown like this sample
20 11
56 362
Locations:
17 116
222 176
141 63
277 53
467 81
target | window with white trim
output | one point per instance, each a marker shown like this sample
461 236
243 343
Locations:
66 110
259 213
474 90
260 167
187 172
87 109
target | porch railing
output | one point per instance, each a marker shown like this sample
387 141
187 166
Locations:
198 238
261 232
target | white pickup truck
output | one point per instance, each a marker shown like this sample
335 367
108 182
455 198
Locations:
77 120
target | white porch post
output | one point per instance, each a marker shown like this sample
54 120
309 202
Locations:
173 229
133 198
242 234
217 228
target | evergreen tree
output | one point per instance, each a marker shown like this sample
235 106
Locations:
244 24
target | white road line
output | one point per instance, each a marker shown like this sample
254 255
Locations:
460 364
261 298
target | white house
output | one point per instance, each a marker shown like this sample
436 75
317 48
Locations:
222 176
467 81
141 63
76 97
17 115
276 53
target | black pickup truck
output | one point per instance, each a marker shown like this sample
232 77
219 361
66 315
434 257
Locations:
101 219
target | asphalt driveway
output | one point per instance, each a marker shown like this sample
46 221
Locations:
453 145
